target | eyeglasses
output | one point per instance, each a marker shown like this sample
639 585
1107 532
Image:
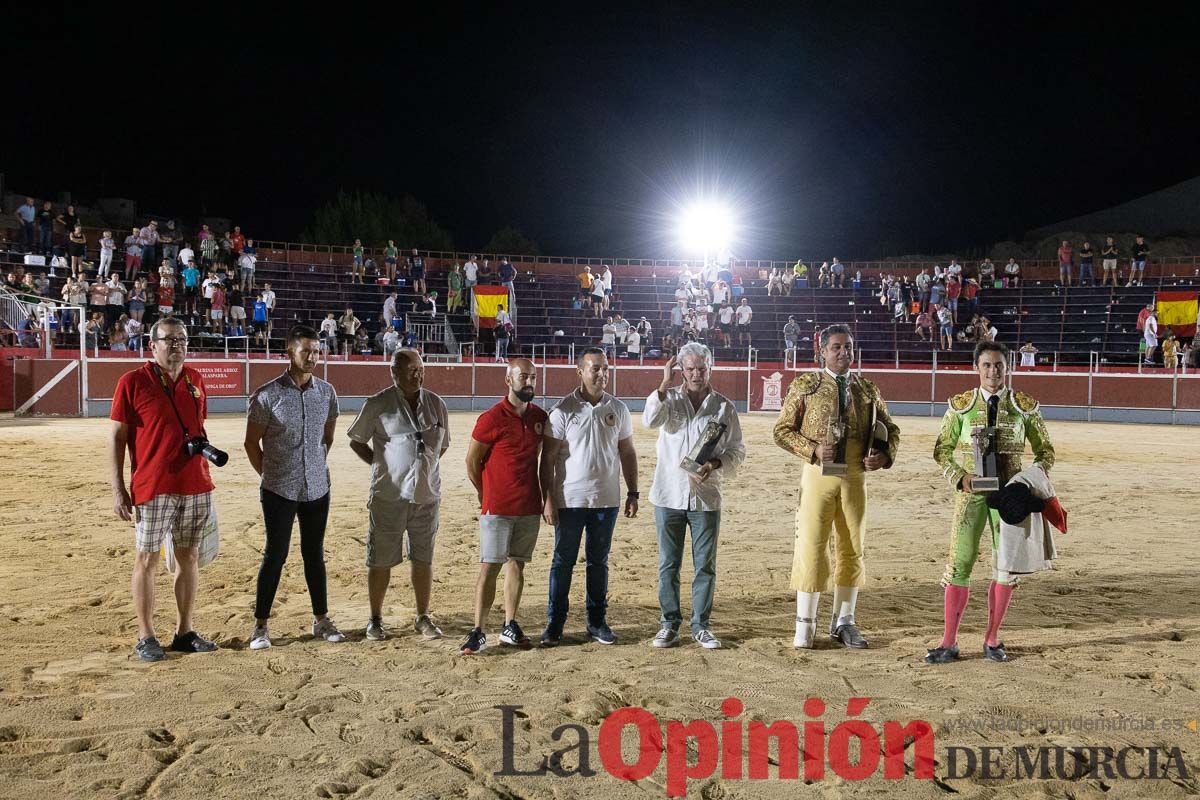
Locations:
174 341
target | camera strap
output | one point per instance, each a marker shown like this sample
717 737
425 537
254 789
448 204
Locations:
162 381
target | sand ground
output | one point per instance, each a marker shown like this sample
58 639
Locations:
1111 634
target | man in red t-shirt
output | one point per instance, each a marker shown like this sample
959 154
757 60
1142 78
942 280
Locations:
502 463
237 239
156 409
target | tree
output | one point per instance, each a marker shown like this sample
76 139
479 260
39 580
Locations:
375 218
511 242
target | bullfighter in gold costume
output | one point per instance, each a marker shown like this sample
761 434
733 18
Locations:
830 502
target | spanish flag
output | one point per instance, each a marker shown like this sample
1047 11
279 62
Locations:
1177 311
486 303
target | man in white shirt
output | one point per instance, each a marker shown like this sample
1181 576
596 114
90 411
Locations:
726 327
268 297
954 269
186 254
470 278
608 339
607 278
1150 334
633 344
588 444
744 314
402 432
622 328
390 311
683 498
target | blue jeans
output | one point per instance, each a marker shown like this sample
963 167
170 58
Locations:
672 526
47 241
27 235
1085 272
502 347
572 522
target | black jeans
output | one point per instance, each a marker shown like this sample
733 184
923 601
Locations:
279 513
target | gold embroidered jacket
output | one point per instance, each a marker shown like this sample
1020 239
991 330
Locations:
812 400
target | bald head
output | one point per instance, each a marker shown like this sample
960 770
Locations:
408 371
521 378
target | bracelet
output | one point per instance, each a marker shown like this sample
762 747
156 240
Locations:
634 495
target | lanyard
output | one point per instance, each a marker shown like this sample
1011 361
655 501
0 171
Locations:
162 381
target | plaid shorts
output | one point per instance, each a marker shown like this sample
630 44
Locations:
181 517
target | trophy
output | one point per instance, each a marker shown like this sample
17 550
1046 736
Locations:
986 477
694 461
835 434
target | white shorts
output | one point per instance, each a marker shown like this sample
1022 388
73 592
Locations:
389 521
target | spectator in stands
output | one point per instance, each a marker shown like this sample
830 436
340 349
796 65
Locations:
133 253
26 214
237 240
211 282
1143 315
98 299
702 323
137 300
247 262
987 331
391 311
348 326
46 219
720 293
169 238
236 303
508 275
608 338
454 289
824 278
1108 257
470 279
391 341
329 333
645 331
93 329
1065 259
678 312
76 294
187 255
216 307
428 304
1029 352
924 326
118 334
208 250
166 297
357 259
107 246
744 315
487 275
945 327
586 279
1150 335
987 272
953 292
391 254
683 295
148 239
970 296
597 296
41 285
27 331
1012 273
1137 266
1086 255
923 282
262 319
725 325
800 272
607 278
1170 350
115 299
133 333
503 332
684 278
633 344
77 247
937 292
228 257
191 288
416 271
791 334
775 284
837 272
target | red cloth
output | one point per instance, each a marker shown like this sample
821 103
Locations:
1055 514
158 462
510 471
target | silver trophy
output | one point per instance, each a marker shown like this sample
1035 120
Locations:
835 434
694 461
986 477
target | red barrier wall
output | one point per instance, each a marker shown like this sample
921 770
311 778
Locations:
31 376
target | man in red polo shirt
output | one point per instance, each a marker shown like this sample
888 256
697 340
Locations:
502 463
155 410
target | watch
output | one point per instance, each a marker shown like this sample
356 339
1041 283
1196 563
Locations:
634 495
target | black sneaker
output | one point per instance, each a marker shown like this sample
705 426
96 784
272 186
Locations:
191 642
149 649
476 642
551 637
512 634
602 633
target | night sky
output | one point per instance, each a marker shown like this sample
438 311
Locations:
866 132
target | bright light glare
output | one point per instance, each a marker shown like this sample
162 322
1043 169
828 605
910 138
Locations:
706 228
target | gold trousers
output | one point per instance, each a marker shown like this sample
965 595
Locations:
829 504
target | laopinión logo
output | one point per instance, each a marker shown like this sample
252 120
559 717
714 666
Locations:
743 750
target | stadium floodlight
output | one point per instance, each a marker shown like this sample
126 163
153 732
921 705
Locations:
706 227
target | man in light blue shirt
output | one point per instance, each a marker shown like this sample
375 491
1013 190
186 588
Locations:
27 214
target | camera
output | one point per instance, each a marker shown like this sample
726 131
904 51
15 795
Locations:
200 446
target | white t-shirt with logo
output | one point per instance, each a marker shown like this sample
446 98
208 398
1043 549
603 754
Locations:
470 270
743 314
588 460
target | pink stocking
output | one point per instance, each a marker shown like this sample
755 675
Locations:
955 603
999 595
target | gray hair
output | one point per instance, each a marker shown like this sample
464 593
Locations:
835 329
695 350
166 322
399 354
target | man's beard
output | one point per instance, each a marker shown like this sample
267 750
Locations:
525 395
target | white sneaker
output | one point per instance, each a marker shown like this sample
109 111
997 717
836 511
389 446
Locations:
325 629
375 630
704 637
667 637
426 628
260 638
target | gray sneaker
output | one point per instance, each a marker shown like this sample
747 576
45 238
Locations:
260 638
667 637
426 628
325 629
375 630
704 637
